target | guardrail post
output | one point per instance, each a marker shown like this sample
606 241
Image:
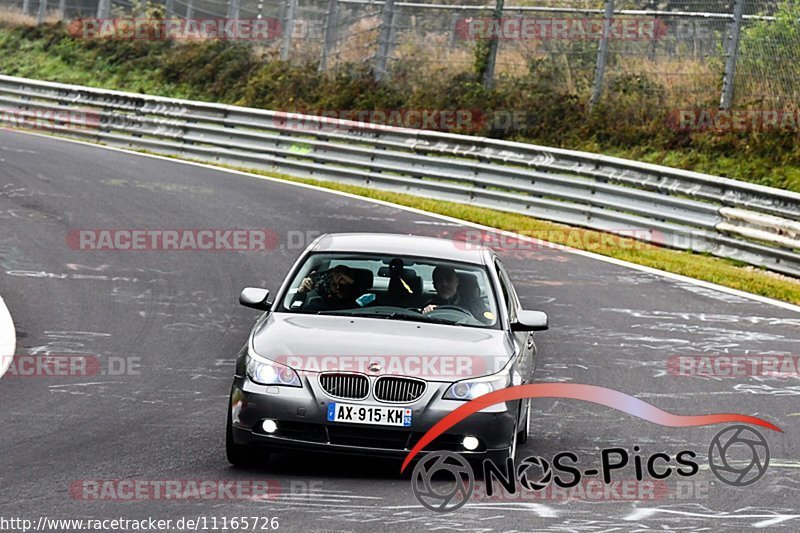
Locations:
384 41
331 25
602 55
731 53
494 43
288 30
233 9
42 10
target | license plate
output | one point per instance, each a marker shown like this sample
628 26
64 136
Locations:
369 414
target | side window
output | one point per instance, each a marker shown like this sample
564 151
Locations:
509 298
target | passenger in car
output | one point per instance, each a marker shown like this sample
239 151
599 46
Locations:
453 290
332 290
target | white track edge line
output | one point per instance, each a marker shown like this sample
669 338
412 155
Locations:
8 338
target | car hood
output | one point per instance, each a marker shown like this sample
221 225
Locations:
374 346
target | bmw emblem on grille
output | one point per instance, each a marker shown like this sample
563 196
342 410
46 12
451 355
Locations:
374 367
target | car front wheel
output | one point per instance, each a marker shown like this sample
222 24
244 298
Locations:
242 455
500 457
522 436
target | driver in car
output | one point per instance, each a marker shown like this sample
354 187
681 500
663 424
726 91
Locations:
449 292
335 290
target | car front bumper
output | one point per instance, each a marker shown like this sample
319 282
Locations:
301 416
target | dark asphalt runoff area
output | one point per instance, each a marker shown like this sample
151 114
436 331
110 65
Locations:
170 325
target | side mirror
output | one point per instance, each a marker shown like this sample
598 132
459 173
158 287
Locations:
530 321
255 298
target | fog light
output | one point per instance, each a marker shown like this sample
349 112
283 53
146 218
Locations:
269 426
470 443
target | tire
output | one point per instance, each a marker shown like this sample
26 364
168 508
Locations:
513 450
499 457
242 455
522 436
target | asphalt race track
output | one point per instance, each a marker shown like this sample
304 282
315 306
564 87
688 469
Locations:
175 315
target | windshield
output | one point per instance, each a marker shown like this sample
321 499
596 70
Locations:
393 288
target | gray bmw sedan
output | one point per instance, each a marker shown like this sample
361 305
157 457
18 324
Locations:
374 338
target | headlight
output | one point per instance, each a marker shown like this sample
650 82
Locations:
272 373
473 388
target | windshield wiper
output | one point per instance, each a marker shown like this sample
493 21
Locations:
392 316
363 314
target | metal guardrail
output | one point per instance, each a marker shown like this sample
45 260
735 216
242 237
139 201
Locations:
679 209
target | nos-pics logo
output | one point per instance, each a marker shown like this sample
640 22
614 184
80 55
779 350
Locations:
444 481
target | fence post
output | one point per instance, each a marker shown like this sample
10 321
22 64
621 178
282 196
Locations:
62 9
651 48
731 53
331 25
169 9
103 9
454 16
384 41
602 55
288 29
190 9
26 7
233 9
494 43
42 10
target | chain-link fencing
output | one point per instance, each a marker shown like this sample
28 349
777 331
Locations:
726 53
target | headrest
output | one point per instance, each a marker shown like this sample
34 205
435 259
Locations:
468 283
396 286
363 279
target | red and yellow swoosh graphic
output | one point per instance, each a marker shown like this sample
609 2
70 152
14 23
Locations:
587 393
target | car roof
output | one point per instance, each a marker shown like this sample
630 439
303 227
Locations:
399 244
